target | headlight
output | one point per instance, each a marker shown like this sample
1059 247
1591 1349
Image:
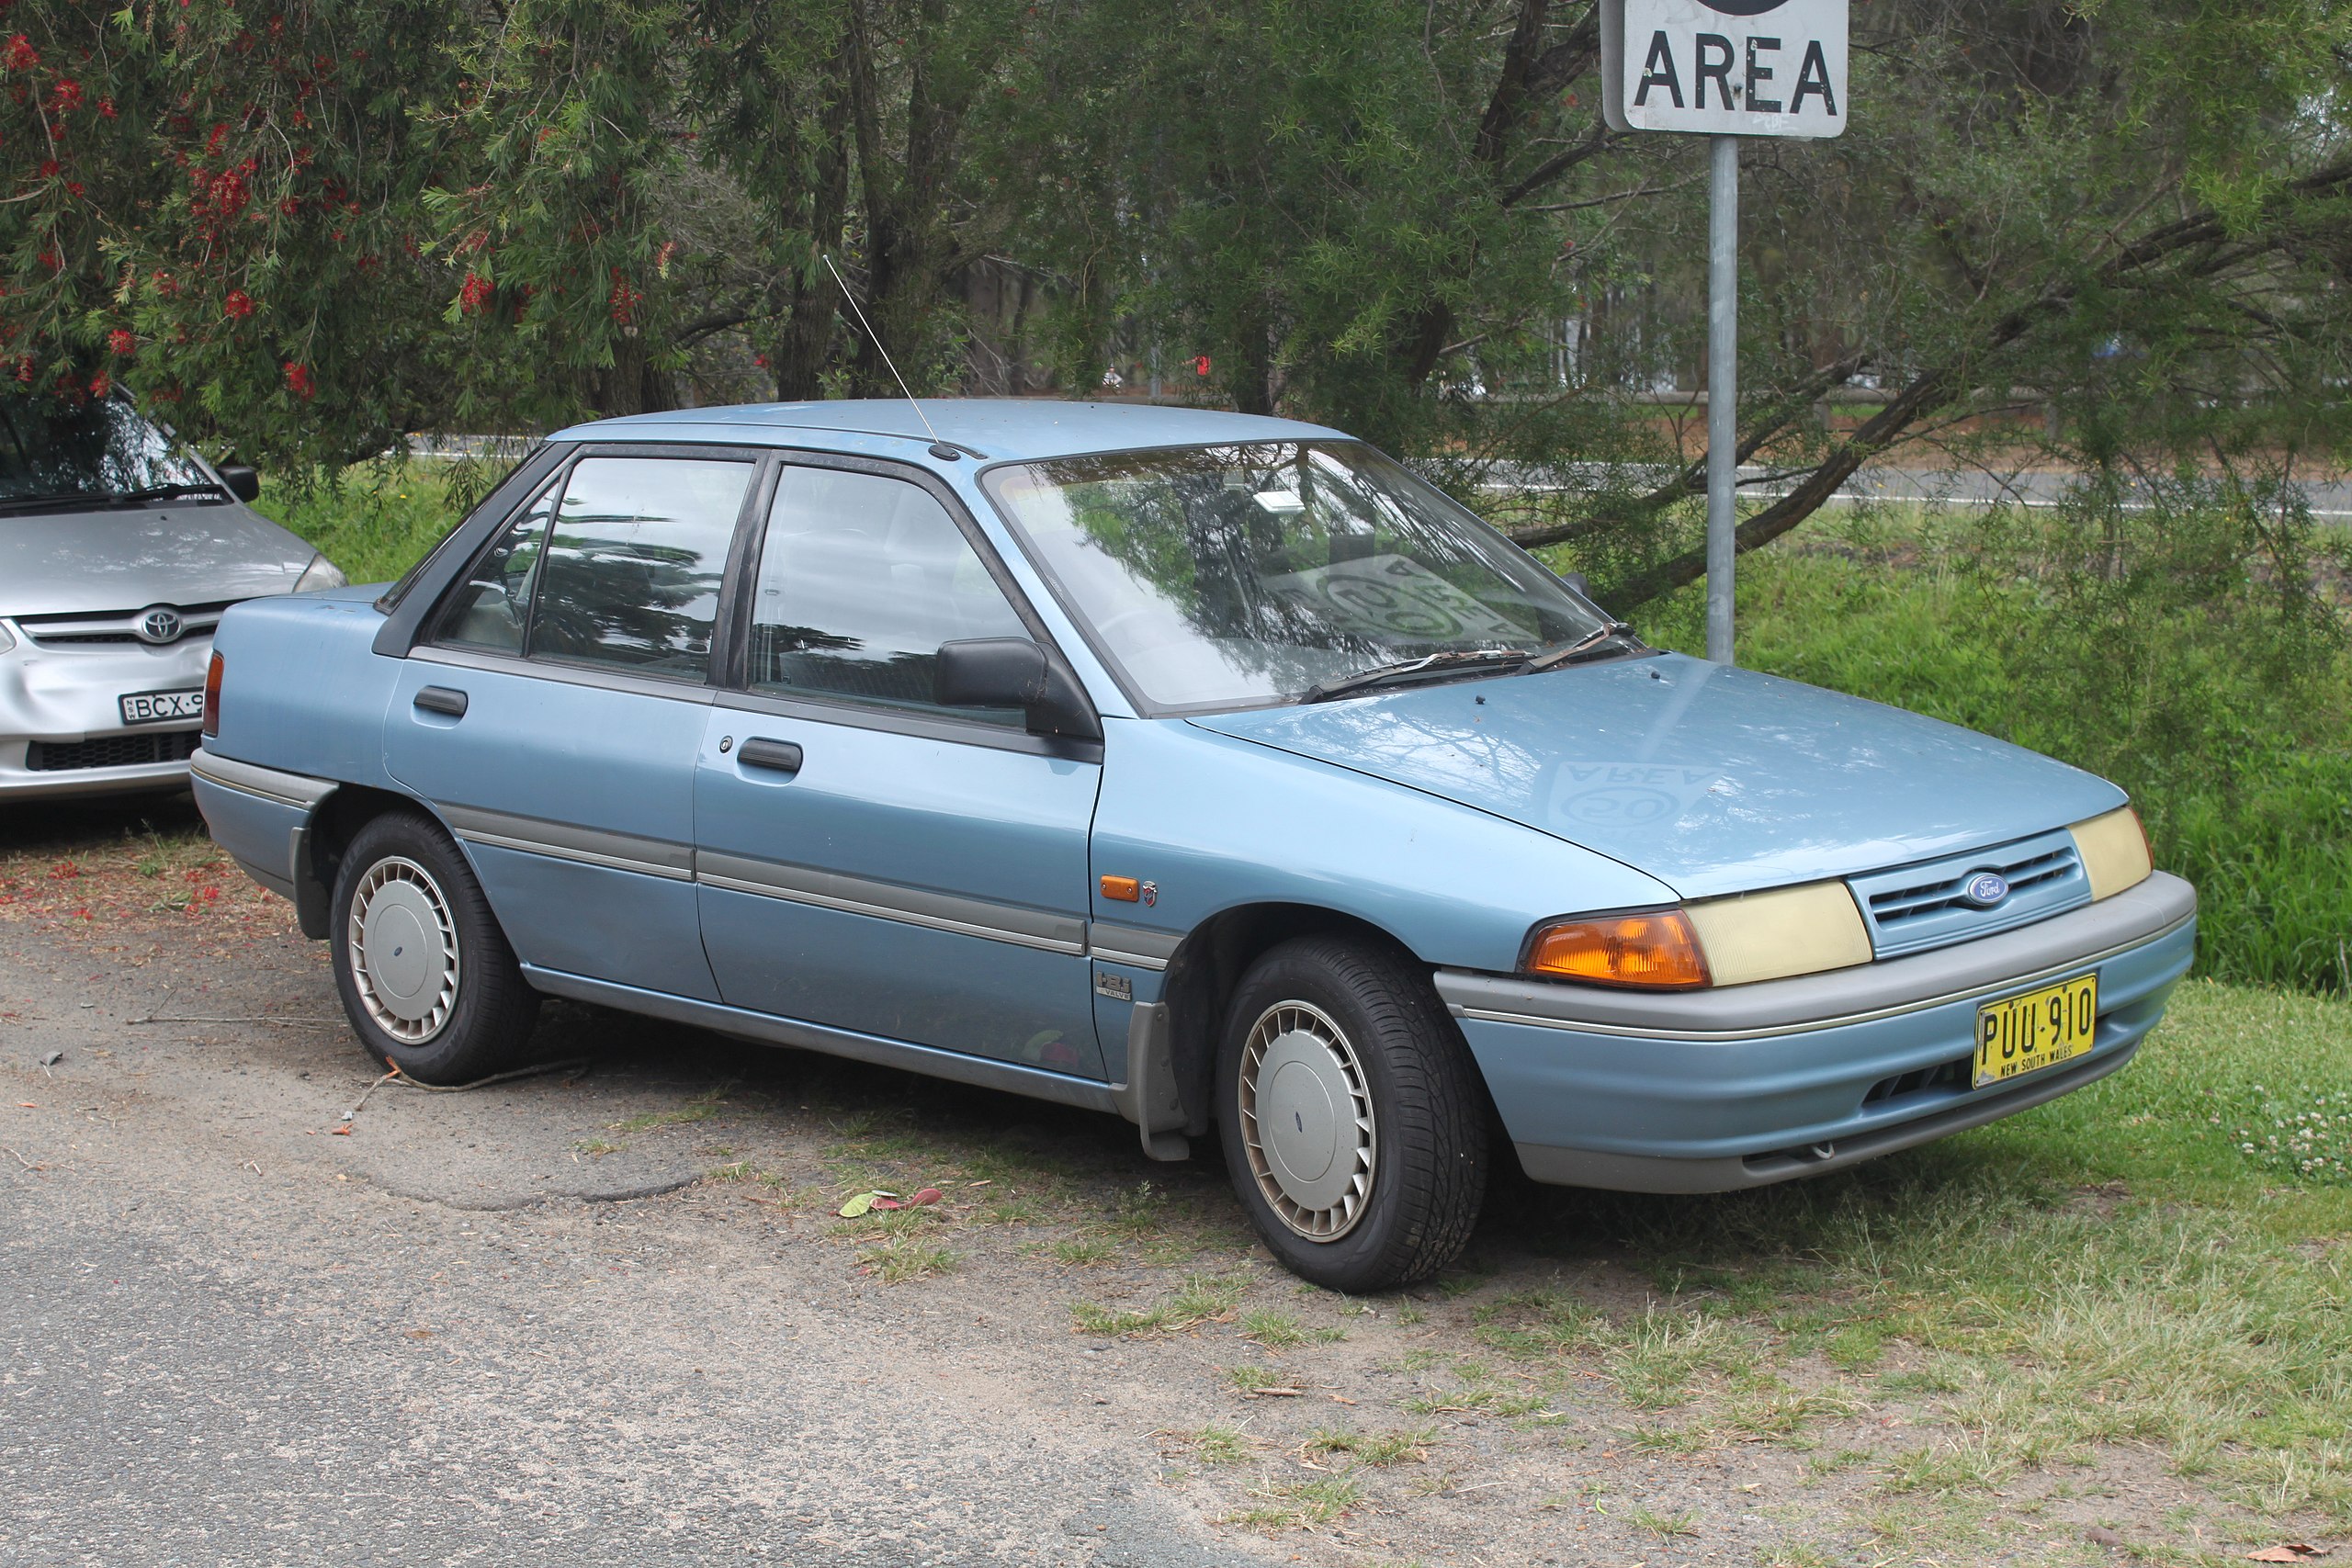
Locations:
319 573
2114 851
1722 942
7 637
1781 933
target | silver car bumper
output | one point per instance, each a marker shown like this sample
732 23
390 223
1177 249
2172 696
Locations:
61 718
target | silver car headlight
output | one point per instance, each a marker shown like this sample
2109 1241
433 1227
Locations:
7 637
320 573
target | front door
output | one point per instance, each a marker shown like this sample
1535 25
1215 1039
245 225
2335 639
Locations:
553 715
866 859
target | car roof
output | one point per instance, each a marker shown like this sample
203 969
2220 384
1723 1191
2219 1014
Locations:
987 428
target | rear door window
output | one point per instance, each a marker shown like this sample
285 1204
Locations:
619 565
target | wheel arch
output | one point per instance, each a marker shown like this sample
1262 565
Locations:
336 821
1207 966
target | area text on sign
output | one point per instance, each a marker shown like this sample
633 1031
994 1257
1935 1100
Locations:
1726 68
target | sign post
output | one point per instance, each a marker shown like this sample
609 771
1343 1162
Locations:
1724 69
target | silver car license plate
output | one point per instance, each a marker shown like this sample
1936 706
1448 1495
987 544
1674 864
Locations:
160 707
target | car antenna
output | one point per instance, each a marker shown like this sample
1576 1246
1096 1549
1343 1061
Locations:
938 449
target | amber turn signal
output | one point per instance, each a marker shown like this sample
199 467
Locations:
1658 951
1125 889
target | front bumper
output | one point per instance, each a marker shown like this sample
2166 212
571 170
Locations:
59 709
1711 1091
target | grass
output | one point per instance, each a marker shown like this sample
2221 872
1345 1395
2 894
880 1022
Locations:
1380 1449
374 520
2114 1269
1280 1331
1204 1298
1300 1504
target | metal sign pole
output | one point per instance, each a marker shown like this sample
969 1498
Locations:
1723 390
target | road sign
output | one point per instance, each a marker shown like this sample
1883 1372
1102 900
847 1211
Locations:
1724 67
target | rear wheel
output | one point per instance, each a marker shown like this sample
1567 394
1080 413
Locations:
426 976
1354 1123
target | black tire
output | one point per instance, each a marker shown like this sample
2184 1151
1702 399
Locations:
1410 1199
442 1021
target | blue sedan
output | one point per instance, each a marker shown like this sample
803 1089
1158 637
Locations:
1210 770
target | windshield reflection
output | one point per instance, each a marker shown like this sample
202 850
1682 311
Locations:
97 450
1231 575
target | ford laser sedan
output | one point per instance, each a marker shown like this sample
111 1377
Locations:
119 549
1207 769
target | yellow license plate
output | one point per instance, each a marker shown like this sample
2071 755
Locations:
2041 1029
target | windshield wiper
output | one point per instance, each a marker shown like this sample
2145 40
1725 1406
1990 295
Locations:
1588 644
1410 669
78 499
165 492
97 499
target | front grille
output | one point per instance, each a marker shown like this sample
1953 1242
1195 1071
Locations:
113 752
1915 907
115 627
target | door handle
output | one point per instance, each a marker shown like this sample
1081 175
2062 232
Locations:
783 756
442 699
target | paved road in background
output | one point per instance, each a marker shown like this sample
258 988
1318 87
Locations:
2330 499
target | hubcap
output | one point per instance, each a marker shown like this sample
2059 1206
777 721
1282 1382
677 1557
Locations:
403 950
1306 1121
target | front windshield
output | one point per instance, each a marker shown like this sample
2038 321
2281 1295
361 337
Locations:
97 451
1225 576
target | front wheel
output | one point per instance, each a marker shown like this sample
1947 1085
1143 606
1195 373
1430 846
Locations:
427 978
1353 1121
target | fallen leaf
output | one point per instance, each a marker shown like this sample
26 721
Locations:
342 1132
928 1195
2290 1551
1276 1393
864 1202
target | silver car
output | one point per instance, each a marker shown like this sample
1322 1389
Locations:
119 549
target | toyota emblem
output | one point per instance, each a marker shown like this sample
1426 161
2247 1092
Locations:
159 625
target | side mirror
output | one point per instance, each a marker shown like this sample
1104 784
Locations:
1014 673
243 481
1577 581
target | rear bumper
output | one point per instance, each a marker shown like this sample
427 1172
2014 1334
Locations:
1713 1092
262 817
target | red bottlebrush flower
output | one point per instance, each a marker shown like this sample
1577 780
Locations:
66 96
761 360
238 303
105 108
74 188
297 379
623 299
49 168
661 258
101 384
475 294
20 54
24 368
214 141
52 260
1200 365
121 342
292 207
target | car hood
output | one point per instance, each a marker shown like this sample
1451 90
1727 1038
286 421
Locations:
1712 779
128 557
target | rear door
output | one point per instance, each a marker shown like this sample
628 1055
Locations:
553 714
868 859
